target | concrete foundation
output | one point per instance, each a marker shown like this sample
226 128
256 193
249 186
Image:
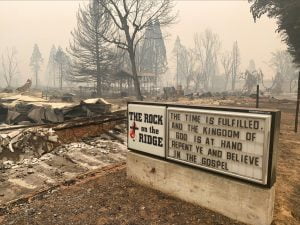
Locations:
240 201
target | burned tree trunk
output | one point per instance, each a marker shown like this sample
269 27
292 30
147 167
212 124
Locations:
135 75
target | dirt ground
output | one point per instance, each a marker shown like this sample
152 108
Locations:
287 202
109 198
106 197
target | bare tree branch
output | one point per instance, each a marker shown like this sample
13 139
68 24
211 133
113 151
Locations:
130 17
9 65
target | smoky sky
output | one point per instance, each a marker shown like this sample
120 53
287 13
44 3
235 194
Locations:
24 23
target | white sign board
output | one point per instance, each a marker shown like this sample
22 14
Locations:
147 125
232 143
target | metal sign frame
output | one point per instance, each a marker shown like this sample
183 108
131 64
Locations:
265 154
273 139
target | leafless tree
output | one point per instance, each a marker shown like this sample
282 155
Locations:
130 18
251 66
252 78
226 62
207 46
51 67
9 65
282 63
187 66
277 86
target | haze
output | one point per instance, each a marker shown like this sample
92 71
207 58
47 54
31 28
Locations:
24 23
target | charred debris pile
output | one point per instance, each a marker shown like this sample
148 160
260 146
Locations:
20 111
35 128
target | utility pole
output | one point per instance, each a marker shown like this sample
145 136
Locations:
61 75
297 107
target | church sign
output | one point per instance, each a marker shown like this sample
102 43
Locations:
146 128
236 142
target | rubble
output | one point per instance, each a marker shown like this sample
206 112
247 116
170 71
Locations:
16 143
63 163
3 113
26 114
17 111
53 115
87 108
67 97
169 92
25 87
43 142
36 141
12 100
42 115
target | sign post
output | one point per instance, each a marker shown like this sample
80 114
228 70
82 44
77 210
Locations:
257 96
297 106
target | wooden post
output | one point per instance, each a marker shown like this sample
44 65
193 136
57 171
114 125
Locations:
257 96
297 107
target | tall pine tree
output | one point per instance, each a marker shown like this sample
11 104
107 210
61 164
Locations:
236 61
35 62
153 53
51 68
90 54
177 52
63 65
